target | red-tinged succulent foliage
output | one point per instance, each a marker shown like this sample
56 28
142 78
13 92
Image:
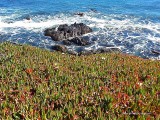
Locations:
39 84
29 70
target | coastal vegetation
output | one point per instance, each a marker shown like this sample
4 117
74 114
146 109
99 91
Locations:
39 84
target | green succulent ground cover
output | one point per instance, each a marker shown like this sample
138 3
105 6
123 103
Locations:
39 84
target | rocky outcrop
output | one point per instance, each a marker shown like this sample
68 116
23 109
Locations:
79 41
72 35
65 31
63 49
79 14
108 50
60 48
101 50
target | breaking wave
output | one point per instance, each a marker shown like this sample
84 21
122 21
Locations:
132 34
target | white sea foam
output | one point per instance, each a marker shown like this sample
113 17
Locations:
90 19
131 34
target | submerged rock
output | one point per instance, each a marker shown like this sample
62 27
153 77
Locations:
93 10
65 32
86 52
63 49
60 48
79 41
108 50
27 17
100 50
155 52
79 14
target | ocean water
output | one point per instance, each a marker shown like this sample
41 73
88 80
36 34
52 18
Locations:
131 25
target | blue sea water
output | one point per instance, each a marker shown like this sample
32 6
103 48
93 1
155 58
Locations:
131 25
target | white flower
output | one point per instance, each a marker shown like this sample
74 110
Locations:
140 84
103 58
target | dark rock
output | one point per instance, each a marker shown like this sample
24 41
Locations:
77 41
63 27
63 48
65 31
67 42
60 48
28 18
100 50
14 43
93 10
49 31
80 14
86 52
58 35
155 52
72 52
106 45
81 28
108 50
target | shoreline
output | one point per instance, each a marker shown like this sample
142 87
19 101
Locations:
133 36
73 53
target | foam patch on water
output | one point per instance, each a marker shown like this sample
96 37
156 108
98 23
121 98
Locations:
134 35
